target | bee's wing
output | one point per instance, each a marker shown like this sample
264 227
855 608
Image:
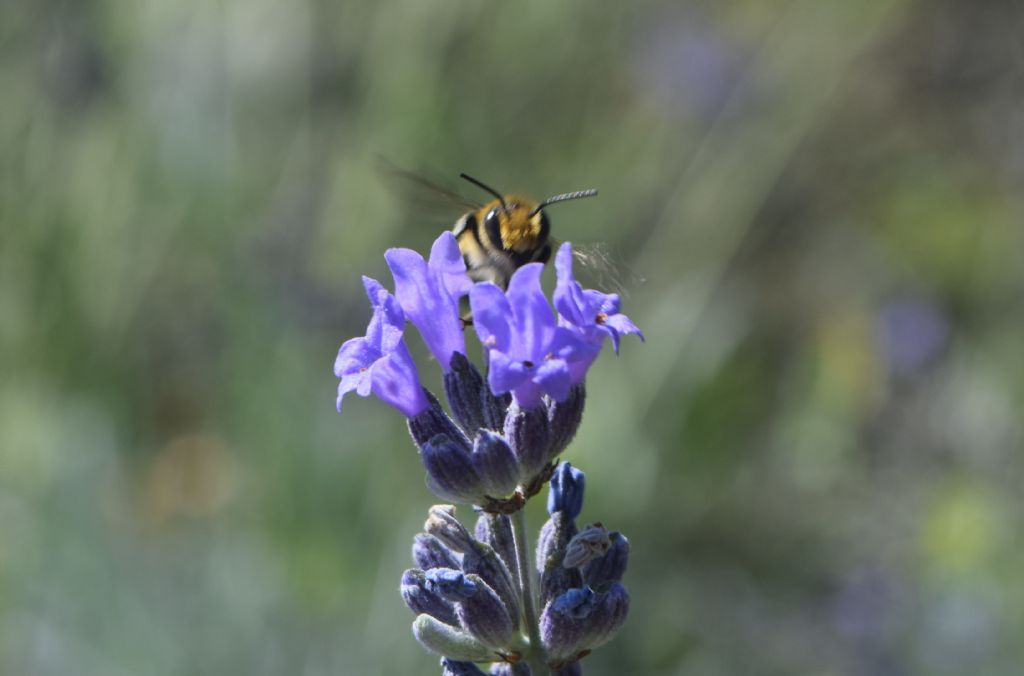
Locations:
603 270
424 194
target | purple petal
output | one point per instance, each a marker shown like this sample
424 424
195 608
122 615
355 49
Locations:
528 395
553 376
567 344
623 325
568 296
388 321
392 322
491 314
373 289
426 304
355 354
579 353
578 369
563 262
396 383
611 333
363 381
607 303
375 329
347 384
505 374
446 261
534 320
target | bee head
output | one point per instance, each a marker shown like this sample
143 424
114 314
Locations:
513 224
516 224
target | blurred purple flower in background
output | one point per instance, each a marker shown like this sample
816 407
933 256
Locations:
687 65
912 331
870 607
867 606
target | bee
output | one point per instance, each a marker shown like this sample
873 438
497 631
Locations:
506 233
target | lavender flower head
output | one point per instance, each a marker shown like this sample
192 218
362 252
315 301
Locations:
478 598
498 446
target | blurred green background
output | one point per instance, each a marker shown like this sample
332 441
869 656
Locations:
816 455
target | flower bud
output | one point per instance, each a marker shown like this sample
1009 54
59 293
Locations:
601 572
484 616
507 669
464 387
564 418
495 464
576 603
566 493
446 640
421 599
453 668
608 617
496 530
581 619
495 407
450 471
442 524
555 578
432 421
589 544
483 561
477 558
429 552
452 585
529 435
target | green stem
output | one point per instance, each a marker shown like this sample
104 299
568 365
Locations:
535 655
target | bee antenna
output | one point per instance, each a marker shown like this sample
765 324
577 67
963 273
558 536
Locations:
564 197
481 184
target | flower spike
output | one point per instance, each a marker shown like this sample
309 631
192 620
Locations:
497 444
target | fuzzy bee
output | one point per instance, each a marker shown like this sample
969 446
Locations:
506 233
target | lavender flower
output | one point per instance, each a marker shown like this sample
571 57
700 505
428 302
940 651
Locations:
429 294
592 315
529 353
380 362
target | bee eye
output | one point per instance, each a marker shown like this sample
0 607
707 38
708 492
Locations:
492 225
